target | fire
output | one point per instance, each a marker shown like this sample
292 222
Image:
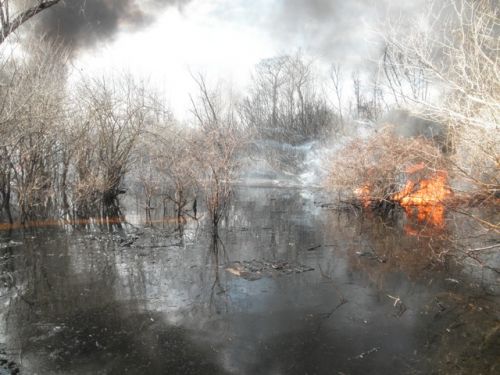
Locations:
424 198
430 191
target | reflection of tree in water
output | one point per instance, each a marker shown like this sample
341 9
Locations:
53 287
457 325
304 350
460 332
215 259
7 265
381 249
98 301
75 321
119 339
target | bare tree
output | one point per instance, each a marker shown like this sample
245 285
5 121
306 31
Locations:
10 23
149 177
367 96
173 175
115 113
31 115
261 108
284 104
336 77
216 147
181 172
445 65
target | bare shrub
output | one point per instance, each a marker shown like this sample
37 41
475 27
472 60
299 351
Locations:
285 104
216 147
32 115
181 172
166 167
444 64
115 113
374 169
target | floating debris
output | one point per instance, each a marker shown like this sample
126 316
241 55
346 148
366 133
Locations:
11 243
371 255
257 269
7 367
398 305
314 248
368 352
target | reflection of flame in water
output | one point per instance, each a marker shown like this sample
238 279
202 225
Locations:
432 214
424 199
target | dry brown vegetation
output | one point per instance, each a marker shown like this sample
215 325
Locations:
374 169
72 151
443 66
32 113
217 147
185 166
66 151
446 67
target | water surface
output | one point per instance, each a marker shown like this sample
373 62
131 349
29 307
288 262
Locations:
289 287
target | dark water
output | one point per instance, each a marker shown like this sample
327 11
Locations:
316 291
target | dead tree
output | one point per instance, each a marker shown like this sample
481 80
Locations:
115 114
11 24
284 104
215 147
31 117
451 51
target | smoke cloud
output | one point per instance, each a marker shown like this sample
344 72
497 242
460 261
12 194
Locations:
335 29
82 23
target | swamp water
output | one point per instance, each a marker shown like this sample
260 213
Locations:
289 287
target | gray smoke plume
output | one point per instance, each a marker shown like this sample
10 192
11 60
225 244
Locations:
81 23
335 29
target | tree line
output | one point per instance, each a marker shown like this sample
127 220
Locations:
71 149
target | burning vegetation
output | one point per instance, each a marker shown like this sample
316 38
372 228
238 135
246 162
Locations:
387 170
424 198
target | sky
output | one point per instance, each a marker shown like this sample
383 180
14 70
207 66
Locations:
200 38
165 41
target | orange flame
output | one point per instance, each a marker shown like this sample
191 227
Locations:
425 198
421 198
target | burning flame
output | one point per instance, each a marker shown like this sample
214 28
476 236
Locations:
425 192
424 198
